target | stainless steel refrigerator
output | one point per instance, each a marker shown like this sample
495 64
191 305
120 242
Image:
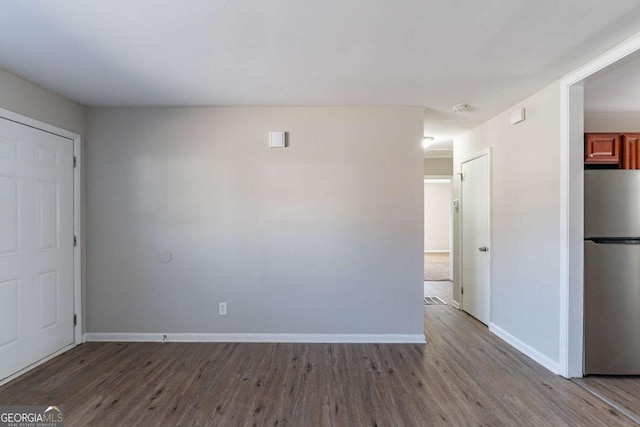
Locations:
612 272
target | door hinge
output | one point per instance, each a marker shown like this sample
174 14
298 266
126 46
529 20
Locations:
75 320
75 241
75 161
461 291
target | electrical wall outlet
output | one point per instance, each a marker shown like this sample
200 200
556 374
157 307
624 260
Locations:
222 309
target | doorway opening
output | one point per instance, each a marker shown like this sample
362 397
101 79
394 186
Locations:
572 232
598 336
438 228
438 239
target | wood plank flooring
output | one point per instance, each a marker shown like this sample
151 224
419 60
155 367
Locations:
464 376
623 392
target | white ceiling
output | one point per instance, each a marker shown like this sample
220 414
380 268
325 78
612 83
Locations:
431 53
615 89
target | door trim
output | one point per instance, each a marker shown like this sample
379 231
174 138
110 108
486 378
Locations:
477 155
77 212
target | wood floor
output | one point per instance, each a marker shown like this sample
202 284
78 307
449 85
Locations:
464 376
622 392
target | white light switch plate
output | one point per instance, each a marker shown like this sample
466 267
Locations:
277 139
517 116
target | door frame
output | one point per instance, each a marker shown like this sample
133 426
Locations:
477 155
77 215
451 219
571 297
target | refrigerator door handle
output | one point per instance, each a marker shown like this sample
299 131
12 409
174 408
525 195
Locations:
615 241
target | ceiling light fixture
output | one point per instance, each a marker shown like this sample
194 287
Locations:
426 141
458 108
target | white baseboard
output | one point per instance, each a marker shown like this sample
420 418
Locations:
444 251
526 349
36 364
455 304
266 338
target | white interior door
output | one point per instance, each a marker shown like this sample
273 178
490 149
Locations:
475 237
36 245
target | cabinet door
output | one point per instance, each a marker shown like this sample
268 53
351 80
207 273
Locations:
602 148
631 151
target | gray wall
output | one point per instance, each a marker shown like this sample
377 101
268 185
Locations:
23 97
437 166
322 237
525 219
628 121
437 216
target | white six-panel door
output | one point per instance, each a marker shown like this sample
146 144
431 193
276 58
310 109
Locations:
475 237
36 245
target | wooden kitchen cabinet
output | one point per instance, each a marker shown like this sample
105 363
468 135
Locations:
602 149
631 151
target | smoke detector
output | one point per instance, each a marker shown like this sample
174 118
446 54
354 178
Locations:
458 108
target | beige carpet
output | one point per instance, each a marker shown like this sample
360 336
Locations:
436 267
